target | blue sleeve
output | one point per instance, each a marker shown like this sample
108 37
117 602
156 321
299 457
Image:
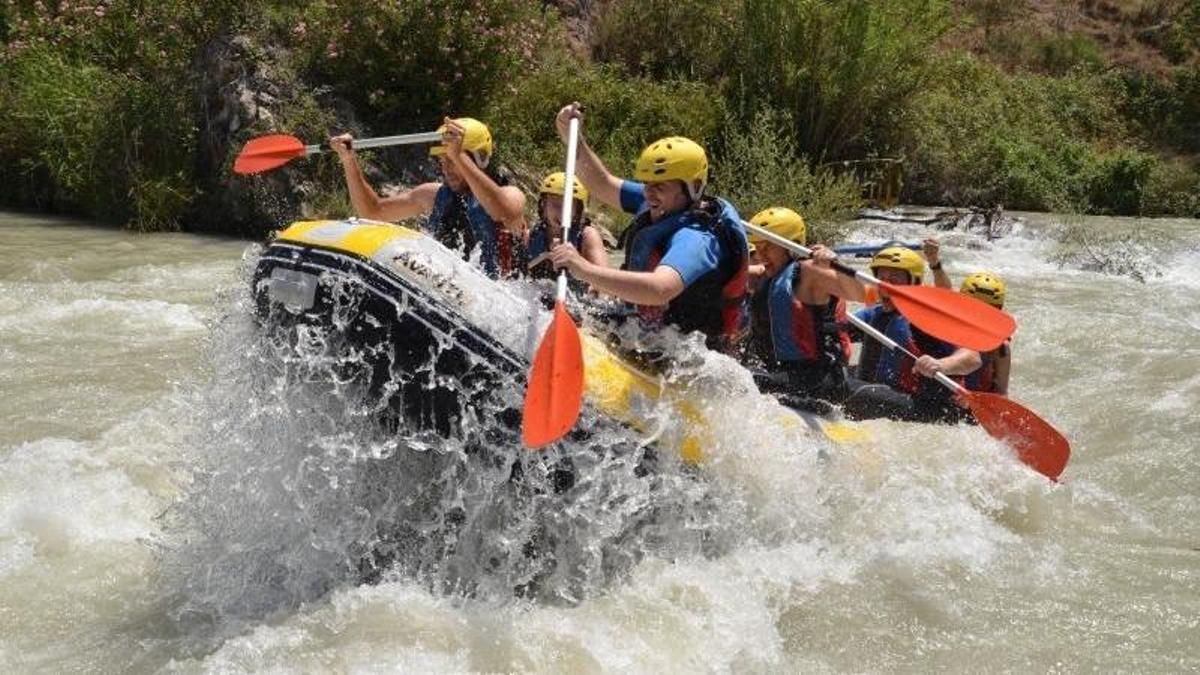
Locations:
867 314
693 254
633 196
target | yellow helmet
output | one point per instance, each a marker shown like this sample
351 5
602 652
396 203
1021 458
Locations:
900 258
477 140
673 158
781 221
985 286
556 184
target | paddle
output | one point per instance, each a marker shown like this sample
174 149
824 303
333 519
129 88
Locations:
868 250
269 152
554 394
956 318
1036 442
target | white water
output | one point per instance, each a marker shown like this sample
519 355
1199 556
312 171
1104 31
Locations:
125 367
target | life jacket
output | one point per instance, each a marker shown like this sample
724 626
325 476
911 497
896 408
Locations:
984 379
461 223
878 364
792 333
714 304
539 238
539 243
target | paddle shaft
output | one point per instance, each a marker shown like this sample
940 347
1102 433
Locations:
568 202
380 142
807 252
867 250
891 344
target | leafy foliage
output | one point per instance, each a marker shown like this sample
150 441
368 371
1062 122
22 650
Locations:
405 65
758 166
99 103
104 143
843 70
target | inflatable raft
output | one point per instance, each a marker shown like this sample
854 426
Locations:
448 346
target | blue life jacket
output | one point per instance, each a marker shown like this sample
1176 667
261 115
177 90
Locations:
715 304
461 223
539 239
984 379
877 363
797 333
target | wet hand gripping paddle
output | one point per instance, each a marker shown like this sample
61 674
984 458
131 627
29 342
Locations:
273 151
554 394
1036 442
945 314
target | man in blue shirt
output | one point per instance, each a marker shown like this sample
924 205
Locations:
685 254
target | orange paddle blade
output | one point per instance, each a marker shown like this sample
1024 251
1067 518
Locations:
554 394
954 317
267 152
1036 442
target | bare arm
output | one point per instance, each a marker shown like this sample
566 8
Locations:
596 177
1002 368
593 247
819 280
504 204
932 250
655 288
962 362
367 203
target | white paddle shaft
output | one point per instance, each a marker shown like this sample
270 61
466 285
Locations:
891 344
382 142
807 252
568 200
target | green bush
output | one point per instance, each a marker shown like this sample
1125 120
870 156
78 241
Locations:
1059 54
1171 188
102 143
406 65
842 69
622 114
981 136
140 39
667 39
1054 54
1117 180
1165 111
758 166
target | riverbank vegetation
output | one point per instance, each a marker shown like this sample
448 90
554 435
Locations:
128 112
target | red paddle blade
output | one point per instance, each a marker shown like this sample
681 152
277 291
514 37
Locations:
1036 442
554 394
956 318
267 152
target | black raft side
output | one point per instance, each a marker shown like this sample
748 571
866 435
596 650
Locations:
400 328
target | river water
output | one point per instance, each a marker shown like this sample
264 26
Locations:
938 551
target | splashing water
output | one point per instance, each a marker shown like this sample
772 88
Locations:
313 477
167 507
